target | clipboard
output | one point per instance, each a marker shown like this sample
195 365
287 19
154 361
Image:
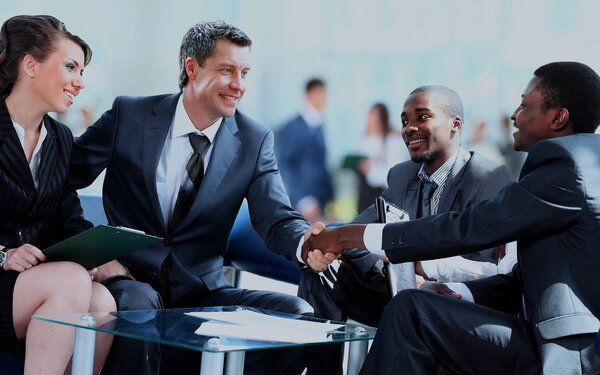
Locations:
99 245
389 213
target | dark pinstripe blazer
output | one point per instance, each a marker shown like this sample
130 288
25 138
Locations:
42 217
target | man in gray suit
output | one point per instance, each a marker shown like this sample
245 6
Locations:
432 120
553 212
462 179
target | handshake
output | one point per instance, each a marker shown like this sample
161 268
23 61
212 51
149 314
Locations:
323 245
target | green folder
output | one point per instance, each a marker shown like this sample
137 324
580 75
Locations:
351 162
99 245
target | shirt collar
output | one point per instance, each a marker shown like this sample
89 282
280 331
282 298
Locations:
21 133
182 125
311 115
441 174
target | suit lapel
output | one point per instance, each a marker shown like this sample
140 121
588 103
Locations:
12 156
156 128
451 188
48 158
225 148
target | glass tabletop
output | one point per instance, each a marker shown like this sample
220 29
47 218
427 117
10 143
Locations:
217 329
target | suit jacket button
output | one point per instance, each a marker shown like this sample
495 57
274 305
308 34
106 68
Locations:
174 283
166 242
394 243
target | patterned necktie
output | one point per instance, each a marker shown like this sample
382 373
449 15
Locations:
191 182
428 189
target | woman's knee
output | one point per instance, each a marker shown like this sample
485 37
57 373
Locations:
102 300
64 279
69 282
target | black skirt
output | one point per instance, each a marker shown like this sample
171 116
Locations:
8 340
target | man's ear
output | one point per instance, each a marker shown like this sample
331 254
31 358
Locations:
30 66
561 120
456 123
191 68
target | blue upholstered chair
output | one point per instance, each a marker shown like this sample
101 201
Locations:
248 253
93 209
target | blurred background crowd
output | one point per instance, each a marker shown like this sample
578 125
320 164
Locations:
365 57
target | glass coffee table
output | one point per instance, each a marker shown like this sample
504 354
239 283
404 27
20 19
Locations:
214 331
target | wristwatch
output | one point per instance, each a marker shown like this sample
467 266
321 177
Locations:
3 256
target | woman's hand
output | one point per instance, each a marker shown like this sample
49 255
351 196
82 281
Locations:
23 258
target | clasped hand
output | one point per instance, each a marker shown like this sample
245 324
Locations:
326 242
324 245
314 257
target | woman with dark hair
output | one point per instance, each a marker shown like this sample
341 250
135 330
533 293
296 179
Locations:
41 68
383 148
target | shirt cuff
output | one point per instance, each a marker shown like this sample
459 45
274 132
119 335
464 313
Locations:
463 290
373 238
299 250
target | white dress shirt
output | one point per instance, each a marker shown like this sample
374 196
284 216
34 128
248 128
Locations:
373 238
175 154
312 116
34 164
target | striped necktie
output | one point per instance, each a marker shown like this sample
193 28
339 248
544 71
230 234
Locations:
191 182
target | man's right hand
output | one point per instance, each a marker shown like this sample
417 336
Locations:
112 268
440 288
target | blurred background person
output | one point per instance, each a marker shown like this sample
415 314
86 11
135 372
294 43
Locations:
301 153
383 148
512 158
41 68
482 143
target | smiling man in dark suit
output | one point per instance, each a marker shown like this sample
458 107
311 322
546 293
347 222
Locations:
179 166
432 121
553 212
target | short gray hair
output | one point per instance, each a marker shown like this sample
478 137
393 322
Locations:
199 43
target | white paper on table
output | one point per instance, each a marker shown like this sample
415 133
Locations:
254 325
259 333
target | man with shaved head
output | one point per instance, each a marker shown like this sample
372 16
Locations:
442 174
